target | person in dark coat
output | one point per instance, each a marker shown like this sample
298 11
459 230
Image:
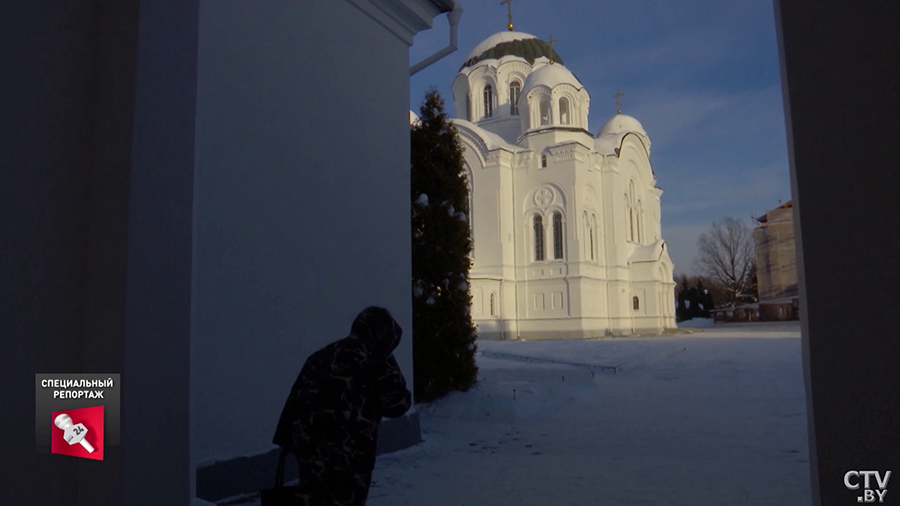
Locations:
330 420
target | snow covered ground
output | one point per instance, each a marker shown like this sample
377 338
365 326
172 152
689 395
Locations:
717 417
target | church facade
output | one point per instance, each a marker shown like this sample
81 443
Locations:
565 224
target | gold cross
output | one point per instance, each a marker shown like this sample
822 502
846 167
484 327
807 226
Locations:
550 43
509 13
618 96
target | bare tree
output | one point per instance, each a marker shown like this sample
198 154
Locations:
726 255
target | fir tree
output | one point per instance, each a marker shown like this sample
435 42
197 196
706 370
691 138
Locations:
443 332
681 311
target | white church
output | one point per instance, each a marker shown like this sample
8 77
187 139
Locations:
565 224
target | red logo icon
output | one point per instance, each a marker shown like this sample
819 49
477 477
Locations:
78 433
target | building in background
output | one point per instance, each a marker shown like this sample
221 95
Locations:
776 264
565 224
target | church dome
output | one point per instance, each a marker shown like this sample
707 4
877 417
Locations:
622 124
550 76
508 43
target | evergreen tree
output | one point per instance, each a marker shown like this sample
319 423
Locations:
681 311
702 300
752 283
443 332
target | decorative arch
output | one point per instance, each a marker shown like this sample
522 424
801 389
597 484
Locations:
558 236
557 198
480 80
515 92
590 197
545 112
537 221
470 214
640 222
588 236
595 250
488 98
636 303
472 140
565 113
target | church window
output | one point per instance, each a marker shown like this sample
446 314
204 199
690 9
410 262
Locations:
488 101
543 161
471 204
493 307
557 236
515 89
545 112
636 302
640 222
538 238
631 222
564 111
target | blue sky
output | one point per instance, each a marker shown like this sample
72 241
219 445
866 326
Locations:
702 77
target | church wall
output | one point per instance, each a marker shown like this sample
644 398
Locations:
286 251
488 253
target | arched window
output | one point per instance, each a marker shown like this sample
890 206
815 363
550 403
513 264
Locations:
640 222
515 89
538 238
545 112
631 210
471 213
557 236
636 302
593 240
564 111
544 161
488 101
629 231
493 307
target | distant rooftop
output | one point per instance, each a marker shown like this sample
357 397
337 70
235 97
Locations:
765 218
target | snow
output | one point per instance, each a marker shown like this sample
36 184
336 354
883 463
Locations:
422 200
550 76
724 418
697 323
708 418
622 123
649 253
611 134
496 39
491 140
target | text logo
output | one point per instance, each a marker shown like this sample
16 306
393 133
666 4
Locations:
871 483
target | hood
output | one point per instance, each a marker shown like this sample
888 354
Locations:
376 326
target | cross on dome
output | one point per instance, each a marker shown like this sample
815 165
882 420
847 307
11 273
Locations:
509 13
618 97
550 42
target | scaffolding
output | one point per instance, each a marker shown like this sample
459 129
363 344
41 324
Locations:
776 256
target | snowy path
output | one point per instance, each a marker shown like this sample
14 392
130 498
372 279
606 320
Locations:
723 421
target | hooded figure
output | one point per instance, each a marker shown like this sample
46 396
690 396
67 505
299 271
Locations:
330 420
